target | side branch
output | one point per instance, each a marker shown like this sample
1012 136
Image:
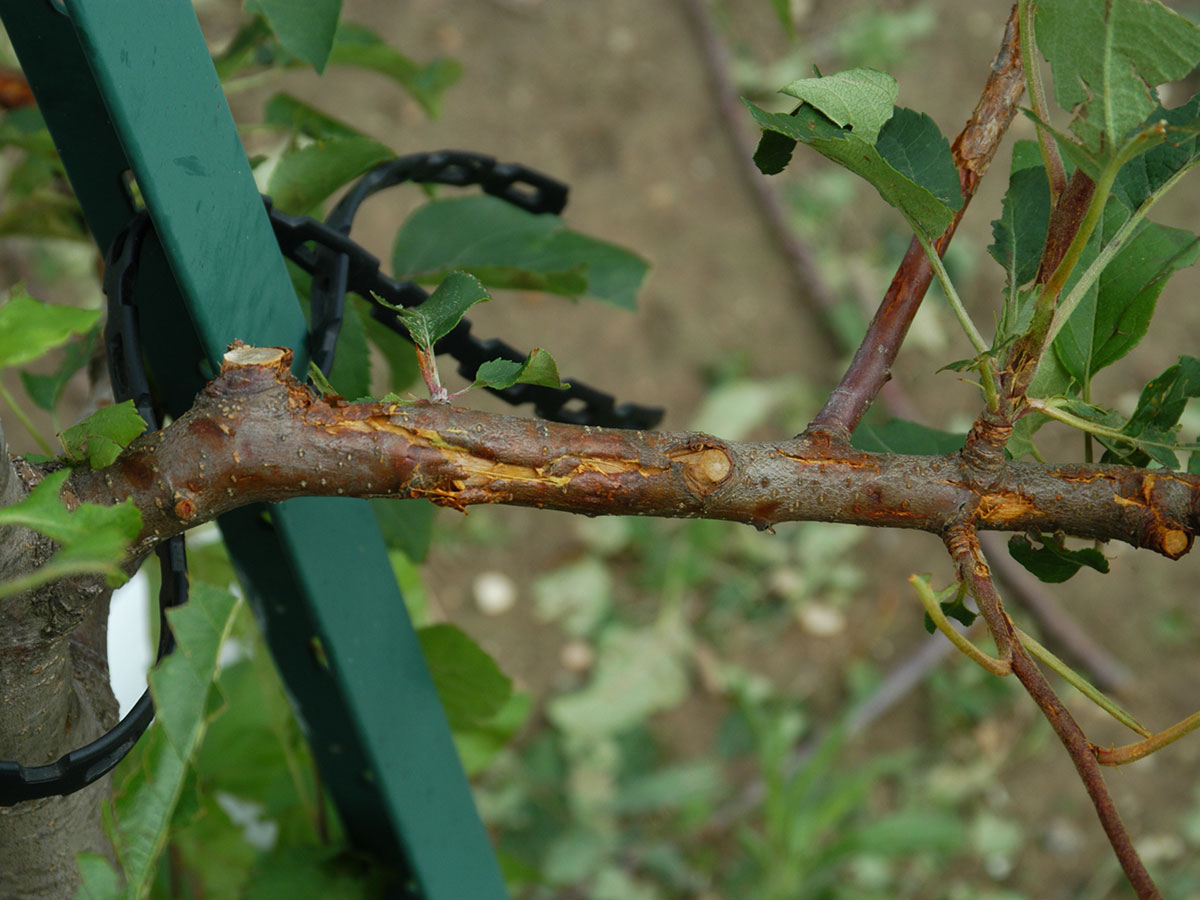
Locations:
963 544
973 150
256 434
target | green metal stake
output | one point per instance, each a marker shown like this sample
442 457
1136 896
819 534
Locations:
367 702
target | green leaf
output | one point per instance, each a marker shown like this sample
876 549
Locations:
100 438
469 683
45 390
639 672
306 177
1158 412
1130 286
914 146
29 328
910 165
183 681
907 833
1074 154
399 354
212 848
859 99
1052 562
479 745
909 438
670 788
305 28
441 312
184 693
1108 57
506 247
952 602
774 152
290 871
1135 446
249 45
353 45
255 748
92 538
98 879
1020 233
286 111
954 608
407 525
357 45
1151 445
1146 173
538 368
1076 341
1025 155
320 382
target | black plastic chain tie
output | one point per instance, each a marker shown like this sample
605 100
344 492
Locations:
337 265
79 768
356 270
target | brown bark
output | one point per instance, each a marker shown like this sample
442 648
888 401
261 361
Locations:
54 697
256 434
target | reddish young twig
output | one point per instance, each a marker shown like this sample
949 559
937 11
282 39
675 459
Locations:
963 544
811 287
973 150
1060 628
814 292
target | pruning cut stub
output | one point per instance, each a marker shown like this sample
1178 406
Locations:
706 466
240 354
1170 540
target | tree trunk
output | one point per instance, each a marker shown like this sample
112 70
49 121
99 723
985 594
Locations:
54 697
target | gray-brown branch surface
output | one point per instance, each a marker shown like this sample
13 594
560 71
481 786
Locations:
54 697
257 434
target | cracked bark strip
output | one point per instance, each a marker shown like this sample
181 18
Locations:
256 434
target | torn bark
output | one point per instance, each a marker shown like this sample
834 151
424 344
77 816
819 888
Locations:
256 434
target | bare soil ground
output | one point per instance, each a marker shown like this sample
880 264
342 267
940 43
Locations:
614 99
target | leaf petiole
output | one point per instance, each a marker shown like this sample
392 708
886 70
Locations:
1117 756
1052 409
933 608
1048 299
960 312
1037 94
24 419
1082 685
1124 233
